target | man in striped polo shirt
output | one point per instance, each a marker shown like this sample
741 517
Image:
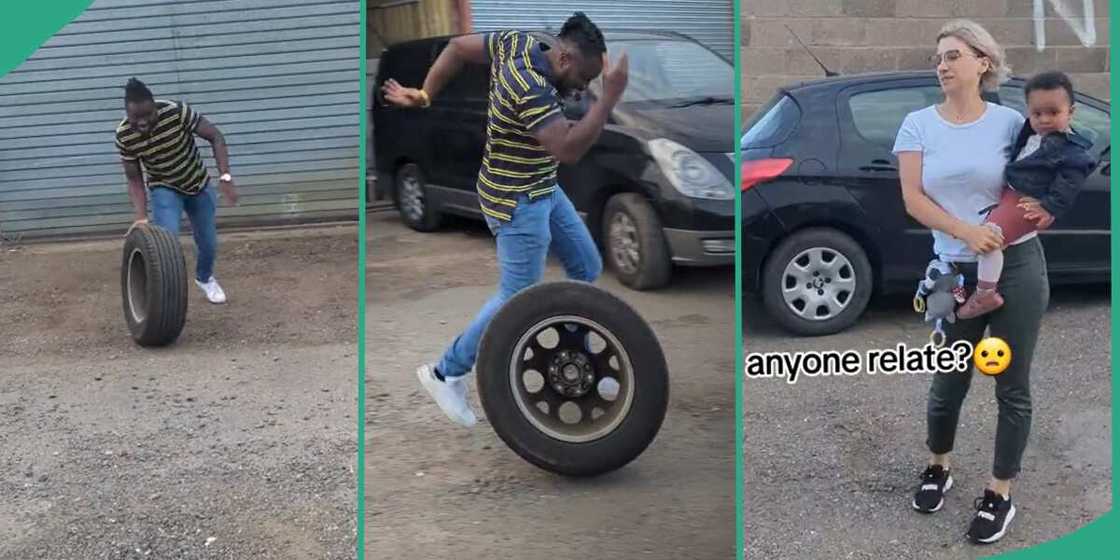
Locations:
527 138
159 135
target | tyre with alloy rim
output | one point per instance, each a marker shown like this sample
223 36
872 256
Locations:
817 281
414 200
153 285
572 378
634 243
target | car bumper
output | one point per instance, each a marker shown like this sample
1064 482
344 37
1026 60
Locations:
761 231
701 248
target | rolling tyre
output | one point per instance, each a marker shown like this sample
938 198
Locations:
153 285
572 379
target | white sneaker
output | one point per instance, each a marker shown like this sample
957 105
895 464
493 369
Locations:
450 395
213 291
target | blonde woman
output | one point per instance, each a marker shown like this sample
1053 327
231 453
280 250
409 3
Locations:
951 159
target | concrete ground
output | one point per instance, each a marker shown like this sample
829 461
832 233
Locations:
435 490
831 463
237 442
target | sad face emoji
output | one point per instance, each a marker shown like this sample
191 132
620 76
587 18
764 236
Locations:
992 356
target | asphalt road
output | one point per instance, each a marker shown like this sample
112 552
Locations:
435 490
832 462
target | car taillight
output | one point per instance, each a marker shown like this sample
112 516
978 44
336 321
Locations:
762 170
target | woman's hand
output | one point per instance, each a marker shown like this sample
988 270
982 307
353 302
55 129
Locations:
981 239
1035 212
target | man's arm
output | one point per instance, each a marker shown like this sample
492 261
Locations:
214 136
458 52
569 141
136 193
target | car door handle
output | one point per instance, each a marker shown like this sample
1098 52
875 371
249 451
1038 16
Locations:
879 165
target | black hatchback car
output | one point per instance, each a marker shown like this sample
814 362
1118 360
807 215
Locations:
821 196
655 190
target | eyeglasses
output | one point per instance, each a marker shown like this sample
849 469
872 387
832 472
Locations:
950 57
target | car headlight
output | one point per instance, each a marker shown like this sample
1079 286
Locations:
690 173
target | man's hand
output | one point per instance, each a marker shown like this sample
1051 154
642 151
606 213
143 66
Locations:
229 191
615 78
401 96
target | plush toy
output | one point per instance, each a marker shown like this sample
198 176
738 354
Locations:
938 295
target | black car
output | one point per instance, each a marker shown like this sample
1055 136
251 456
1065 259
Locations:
655 190
822 200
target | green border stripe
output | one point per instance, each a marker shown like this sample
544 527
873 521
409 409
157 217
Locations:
740 497
361 466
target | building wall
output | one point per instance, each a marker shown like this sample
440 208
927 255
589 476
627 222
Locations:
709 22
851 36
394 21
280 78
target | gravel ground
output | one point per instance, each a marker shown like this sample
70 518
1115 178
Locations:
439 491
831 463
236 442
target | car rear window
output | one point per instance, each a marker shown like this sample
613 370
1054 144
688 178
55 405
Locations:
772 124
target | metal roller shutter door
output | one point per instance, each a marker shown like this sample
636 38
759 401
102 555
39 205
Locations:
279 77
707 21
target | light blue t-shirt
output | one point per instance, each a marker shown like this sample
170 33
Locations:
962 165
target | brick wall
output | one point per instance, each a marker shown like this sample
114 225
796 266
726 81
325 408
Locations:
851 36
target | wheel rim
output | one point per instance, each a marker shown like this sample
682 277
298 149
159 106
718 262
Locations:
137 282
625 247
818 283
412 197
572 379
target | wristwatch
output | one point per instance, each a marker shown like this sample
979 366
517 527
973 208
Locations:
226 178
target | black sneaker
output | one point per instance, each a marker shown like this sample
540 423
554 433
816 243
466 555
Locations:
936 481
993 514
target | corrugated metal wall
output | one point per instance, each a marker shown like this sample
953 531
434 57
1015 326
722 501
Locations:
707 21
280 78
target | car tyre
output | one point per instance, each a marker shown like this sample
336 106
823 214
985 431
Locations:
153 285
634 242
413 199
595 332
816 282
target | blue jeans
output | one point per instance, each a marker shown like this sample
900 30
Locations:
550 222
167 210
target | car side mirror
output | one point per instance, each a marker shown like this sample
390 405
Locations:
1106 162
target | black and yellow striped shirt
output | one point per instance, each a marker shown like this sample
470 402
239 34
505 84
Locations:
522 100
169 154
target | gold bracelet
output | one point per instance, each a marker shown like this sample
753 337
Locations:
427 100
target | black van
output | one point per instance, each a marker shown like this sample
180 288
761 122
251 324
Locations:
656 189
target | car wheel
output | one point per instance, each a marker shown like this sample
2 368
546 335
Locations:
413 200
635 245
572 379
817 281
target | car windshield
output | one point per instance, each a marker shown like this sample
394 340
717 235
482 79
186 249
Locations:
673 72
